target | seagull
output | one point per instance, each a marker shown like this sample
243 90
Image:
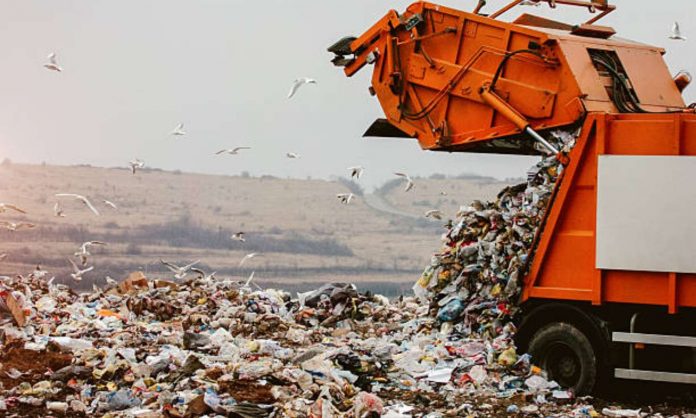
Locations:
38 273
251 277
110 204
111 282
179 272
232 151
83 252
355 172
14 374
80 198
136 164
345 198
409 181
179 130
530 3
292 155
77 275
202 276
434 213
676 33
248 257
58 210
5 206
52 64
239 236
298 83
443 193
12 226
3 256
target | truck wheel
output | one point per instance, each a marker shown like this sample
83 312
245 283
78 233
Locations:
567 356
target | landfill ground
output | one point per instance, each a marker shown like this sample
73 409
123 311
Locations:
52 372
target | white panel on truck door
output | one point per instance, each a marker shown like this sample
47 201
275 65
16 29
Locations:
646 213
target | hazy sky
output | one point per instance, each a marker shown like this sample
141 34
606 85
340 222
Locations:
133 69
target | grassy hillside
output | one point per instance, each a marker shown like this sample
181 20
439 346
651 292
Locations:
303 231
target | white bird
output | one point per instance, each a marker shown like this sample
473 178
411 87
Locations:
298 83
111 282
179 272
14 374
443 193
356 172
38 273
251 277
409 181
58 210
239 236
77 273
248 257
231 151
110 204
15 226
203 276
434 213
536 3
292 155
179 130
3 256
676 33
345 198
5 206
80 198
52 63
136 164
83 252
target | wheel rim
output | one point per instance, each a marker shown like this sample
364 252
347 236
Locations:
563 364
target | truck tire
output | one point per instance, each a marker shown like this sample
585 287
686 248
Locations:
567 355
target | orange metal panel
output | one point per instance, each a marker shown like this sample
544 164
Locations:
565 257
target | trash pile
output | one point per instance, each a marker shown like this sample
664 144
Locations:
474 282
222 348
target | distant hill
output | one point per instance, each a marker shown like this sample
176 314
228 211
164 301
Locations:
304 233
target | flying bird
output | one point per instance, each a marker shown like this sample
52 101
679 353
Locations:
292 155
83 252
443 193
676 33
356 172
202 276
434 213
52 63
110 204
239 236
5 206
248 257
136 164
299 83
58 210
77 273
345 198
232 151
409 181
3 256
81 198
179 130
530 3
179 272
15 226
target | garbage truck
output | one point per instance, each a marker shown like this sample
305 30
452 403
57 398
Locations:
609 291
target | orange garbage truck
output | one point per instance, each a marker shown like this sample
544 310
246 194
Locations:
610 291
